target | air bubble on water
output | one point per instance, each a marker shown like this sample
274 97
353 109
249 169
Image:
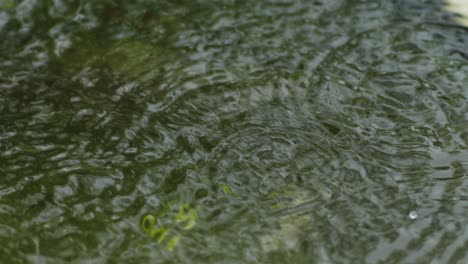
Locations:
413 215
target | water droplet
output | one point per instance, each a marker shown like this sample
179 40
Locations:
413 215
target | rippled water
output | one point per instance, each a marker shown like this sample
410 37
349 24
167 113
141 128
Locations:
251 131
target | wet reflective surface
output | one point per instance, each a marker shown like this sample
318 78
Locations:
235 131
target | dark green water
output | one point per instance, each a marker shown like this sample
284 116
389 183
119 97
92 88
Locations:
252 131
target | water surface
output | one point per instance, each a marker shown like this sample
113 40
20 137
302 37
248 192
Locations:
252 131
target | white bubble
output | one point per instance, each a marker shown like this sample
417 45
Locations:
413 215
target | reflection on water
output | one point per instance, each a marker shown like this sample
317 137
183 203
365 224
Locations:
295 131
460 7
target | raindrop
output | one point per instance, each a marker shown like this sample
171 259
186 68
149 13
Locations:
413 215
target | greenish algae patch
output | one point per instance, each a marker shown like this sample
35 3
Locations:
167 229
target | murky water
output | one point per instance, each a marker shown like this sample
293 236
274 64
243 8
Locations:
233 131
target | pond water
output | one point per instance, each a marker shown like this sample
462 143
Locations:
233 131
